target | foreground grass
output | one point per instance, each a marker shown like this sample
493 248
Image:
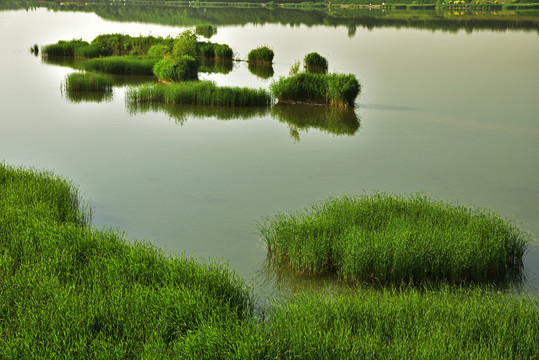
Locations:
198 93
70 291
393 239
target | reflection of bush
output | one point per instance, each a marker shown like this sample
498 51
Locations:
263 71
181 113
88 96
215 66
335 121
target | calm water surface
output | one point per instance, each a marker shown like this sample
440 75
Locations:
454 115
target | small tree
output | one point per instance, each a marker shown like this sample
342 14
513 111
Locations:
185 44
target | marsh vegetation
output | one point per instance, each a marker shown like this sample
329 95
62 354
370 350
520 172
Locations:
261 55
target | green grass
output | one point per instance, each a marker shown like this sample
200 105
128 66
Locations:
324 89
63 48
209 50
261 54
174 69
84 81
394 239
68 290
198 93
123 65
315 61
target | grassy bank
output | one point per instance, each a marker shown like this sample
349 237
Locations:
198 93
71 291
68 290
393 239
324 89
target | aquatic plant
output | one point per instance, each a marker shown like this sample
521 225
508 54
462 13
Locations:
34 50
315 62
89 51
63 48
177 69
261 54
122 65
85 81
213 50
325 89
198 93
392 239
263 71
121 44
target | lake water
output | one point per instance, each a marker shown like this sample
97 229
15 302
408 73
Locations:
451 114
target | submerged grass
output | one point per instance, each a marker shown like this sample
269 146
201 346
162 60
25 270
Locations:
68 290
84 81
198 93
325 89
123 65
393 239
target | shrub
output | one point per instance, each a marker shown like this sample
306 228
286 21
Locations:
262 54
173 69
158 50
328 89
315 61
185 44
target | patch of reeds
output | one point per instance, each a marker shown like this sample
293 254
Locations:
261 70
198 93
261 54
324 89
331 120
393 239
209 50
206 30
173 69
63 48
123 65
121 44
315 62
70 290
89 51
89 82
404 324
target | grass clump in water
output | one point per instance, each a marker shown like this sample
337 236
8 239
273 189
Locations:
63 48
315 62
261 54
84 81
394 239
198 93
123 65
177 69
324 89
67 288
209 50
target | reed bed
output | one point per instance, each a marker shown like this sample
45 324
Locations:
198 93
72 291
395 239
123 65
324 89
63 48
316 62
211 50
261 54
84 81
177 69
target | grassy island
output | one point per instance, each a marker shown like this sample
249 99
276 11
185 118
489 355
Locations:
261 55
392 239
322 89
69 290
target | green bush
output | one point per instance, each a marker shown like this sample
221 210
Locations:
185 44
261 54
393 239
329 89
315 61
158 50
181 69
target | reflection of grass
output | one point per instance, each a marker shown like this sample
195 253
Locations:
215 66
393 239
331 120
199 93
206 30
263 71
182 113
88 96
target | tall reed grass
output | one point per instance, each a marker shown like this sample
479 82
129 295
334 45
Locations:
261 54
324 89
84 81
198 93
315 61
211 50
63 48
123 65
393 239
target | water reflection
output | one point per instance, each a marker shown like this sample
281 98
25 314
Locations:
211 66
263 71
331 120
87 96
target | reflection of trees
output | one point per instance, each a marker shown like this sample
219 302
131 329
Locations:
351 18
331 120
181 113
263 71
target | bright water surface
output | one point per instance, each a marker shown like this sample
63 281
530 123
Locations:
453 115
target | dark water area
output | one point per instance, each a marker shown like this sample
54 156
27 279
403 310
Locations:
443 110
